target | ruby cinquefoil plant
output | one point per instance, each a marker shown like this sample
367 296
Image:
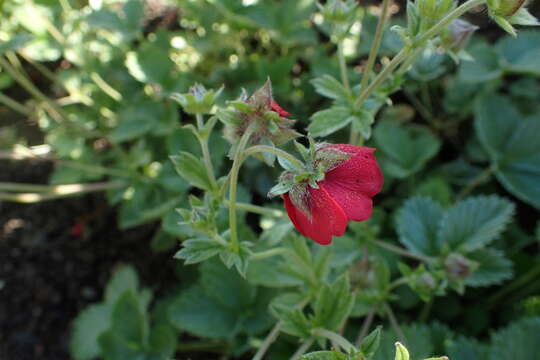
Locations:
334 185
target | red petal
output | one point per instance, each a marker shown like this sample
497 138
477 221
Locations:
360 174
358 207
327 218
275 107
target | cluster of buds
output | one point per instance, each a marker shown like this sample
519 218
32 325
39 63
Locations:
268 122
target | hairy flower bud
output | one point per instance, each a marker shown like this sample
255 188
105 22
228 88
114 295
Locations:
508 12
456 37
268 122
197 100
458 267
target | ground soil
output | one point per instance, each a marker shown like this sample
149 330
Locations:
49 272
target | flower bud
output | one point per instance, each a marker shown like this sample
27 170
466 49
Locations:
338 11
268 122
458 267
197 100
508 12
457 35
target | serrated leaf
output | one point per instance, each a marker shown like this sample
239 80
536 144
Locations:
328 86
371 343
295 323
485 67
333 304
128 321
162 342
520 54
226 286
417 223
199 249
123 279
326 122
197 313
475 222
115 348
518 341
467 349
511 142
405 150
493 268
325 355
87 327
191 169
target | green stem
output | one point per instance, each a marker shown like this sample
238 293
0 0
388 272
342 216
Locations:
270 149
258 209
233 186
335 338
383 75
400 251
343 66
206 346
270 338
425 311
396 283
31 88
60 191
105 86
269 253
376 44
517 283
411 58
441 25
206 153
373 52
394 323
365 326
479 179
14 105
302 349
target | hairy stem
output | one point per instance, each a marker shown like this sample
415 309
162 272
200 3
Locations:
365 326
394 323
270 149
206 153
302 349
400 251
14 105
59 191
257 209
237 163
343 66
479 179
270 338
335 338
269 253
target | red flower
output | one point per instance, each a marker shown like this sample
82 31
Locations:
344 194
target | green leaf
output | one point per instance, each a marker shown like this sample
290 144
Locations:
518 341
371 343
333 304
326 122
362 122
198 249
191 169
150 63
328 86
475 222
520 54
199 314
128 321
123 279
417 223
511 142
162 342
87 327
136 120
419 342
14 43
467 349
226 286
485 67
325 355
405 150
295 323
493 268
115 348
